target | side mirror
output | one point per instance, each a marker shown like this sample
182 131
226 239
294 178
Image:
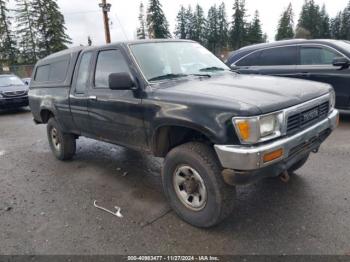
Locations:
120 81
341 62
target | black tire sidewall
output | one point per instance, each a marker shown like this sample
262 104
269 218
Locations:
210 214
50 125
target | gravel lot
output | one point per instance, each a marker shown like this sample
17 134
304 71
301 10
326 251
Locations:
46 206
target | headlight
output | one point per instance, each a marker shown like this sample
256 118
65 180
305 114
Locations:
258 129
332 101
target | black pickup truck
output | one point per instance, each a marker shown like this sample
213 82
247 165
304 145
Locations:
174 99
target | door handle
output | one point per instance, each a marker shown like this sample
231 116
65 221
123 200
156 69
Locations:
93 97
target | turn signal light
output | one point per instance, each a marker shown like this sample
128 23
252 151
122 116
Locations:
273 155
244 129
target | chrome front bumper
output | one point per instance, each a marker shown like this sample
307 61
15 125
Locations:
240 157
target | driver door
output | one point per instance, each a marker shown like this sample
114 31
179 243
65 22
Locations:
116 116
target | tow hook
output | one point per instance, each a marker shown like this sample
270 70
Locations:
284 177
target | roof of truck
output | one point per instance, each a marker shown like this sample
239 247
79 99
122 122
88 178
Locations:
78 49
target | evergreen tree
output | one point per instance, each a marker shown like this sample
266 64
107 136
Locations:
8 51
26 32
181 24
51 27
286 24
141 30
336 26
345 23
157 24
212 30
189 23
325 31
301 32
314 20
222 27
199 25
255 34
239 25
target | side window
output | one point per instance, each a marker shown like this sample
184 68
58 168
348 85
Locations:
83 73
279 56
52 72
250 60
58 71
42 73
108 62
317 56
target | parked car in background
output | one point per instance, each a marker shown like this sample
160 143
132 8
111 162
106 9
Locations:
13 92
318 60
26 81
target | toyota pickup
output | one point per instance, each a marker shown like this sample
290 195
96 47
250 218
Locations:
215 129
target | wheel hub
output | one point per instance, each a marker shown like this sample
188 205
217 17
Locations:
55 139
190 188
191 185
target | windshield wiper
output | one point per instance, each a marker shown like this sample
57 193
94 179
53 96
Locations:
167 76
201 75
171 76
212 68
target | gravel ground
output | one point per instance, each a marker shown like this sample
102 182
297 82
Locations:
46 206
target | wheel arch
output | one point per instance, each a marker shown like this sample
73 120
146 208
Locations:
166 137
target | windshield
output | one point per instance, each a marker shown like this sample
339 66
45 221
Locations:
10 81
165 60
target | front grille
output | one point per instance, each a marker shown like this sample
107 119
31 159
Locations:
298 121
14 93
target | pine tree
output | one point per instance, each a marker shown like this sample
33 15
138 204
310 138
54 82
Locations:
8 51
181 24
345 23
157 24
286 24
336 26
51 27
222 27
255 34
325 31
313 20
189 23
212 30
26 32
141 30
239 25
199 25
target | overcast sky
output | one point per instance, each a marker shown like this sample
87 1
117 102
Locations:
83 17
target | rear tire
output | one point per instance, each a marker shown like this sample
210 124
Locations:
298 165
62 145
194 186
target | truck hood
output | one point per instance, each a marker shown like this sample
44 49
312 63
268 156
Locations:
265 93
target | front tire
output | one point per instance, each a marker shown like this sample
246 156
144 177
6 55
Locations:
194 186
62 145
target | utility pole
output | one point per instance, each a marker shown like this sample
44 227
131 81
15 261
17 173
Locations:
105 9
